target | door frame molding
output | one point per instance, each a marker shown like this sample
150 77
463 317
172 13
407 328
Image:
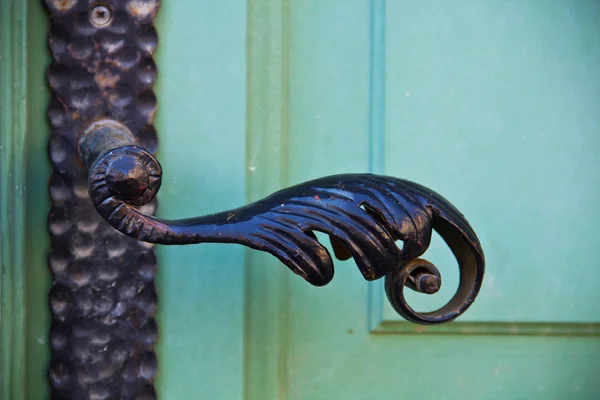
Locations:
24 203
13 124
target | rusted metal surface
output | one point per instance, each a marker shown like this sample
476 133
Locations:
103 298
363 214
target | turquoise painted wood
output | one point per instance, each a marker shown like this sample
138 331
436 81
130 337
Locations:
201 123
490 103
13 108
24 173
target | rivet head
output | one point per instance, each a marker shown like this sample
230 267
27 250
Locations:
100 16
428 283
127 178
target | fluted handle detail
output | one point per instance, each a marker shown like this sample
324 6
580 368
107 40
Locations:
363 214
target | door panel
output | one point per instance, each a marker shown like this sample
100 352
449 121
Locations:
490 103
498 106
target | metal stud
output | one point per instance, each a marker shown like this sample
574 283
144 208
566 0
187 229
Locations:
100 16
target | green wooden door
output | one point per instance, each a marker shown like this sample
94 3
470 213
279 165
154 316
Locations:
493 103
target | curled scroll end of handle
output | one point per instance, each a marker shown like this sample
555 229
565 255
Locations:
422 276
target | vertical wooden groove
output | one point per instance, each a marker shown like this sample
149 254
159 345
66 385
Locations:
266 130
13 89
38 203
376 130
377 87
283 162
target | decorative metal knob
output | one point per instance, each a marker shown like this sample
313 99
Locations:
363 214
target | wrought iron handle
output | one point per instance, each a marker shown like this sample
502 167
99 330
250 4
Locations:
363 214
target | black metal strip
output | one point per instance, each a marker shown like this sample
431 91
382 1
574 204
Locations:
103 298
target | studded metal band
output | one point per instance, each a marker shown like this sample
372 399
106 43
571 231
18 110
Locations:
103 298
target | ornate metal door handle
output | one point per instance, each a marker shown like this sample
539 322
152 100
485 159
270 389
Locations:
103 299
363 214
